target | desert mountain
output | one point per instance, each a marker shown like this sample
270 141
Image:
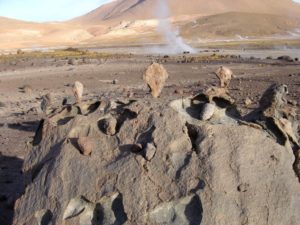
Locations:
136 21
147 9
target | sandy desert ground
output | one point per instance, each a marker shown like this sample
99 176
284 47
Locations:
20 111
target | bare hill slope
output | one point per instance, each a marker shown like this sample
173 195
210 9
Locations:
130 21
146 9
237 24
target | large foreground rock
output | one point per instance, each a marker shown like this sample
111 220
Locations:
163 166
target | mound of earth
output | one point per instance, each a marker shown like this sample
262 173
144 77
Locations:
155 162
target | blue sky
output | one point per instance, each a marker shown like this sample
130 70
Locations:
48 10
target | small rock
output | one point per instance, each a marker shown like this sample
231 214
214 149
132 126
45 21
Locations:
71 62
208 111
225 75
149 151
85 145
286 58
47 101
108 126
115 81
179 91
248 101
155 76
78 91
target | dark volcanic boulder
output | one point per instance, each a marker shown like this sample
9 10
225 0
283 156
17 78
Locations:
184 171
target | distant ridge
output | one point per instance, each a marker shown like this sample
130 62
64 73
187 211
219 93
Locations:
135 22
145 9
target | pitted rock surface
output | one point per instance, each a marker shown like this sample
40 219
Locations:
186 171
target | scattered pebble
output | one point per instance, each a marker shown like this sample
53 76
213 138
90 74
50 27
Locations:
248 101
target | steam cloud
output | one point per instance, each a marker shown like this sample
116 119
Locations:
174 43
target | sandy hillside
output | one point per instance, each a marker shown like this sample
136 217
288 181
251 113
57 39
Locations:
146 9
239 25
135 22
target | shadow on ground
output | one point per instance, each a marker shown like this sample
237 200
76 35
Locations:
29 126
11 186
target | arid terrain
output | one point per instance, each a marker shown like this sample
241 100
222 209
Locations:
200 153
132 22
26 77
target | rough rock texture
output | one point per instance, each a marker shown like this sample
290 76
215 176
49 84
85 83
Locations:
186 171
277 116
155 76
224 75
108 125
47 101
85 145
78 91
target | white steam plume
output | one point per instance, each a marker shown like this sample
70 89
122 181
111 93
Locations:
174 43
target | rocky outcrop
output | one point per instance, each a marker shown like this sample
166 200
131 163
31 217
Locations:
276 116
162 165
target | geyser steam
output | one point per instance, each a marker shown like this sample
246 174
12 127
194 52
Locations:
174 43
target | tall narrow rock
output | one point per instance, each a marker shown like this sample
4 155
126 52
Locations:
155 76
